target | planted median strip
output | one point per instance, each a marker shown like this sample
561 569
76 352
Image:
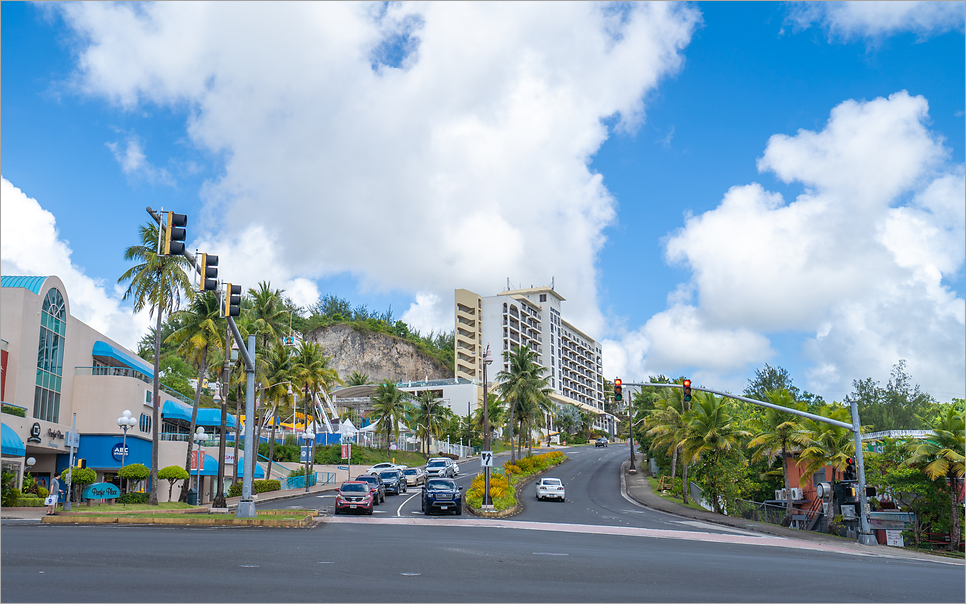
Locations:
286 518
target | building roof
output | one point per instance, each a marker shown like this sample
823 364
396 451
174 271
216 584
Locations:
33 284
533 290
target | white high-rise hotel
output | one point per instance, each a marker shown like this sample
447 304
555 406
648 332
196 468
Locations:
531 317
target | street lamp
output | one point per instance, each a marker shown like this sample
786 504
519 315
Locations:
307 436
633 469
125 422
199 437
487 501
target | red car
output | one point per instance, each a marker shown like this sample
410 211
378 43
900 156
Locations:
354 495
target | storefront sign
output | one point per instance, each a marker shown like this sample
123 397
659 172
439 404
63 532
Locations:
51 433
119 451
894 538
229 457
34 433
101 490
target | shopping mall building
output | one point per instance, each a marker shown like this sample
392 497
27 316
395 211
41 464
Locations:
56 369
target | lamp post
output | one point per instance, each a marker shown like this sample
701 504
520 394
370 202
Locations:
487 501
199 437
125 422
306 437
633 469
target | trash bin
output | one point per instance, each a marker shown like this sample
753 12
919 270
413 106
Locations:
192 496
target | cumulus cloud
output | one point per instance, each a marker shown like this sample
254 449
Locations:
134 162
419 147
873 21
31 245
857 260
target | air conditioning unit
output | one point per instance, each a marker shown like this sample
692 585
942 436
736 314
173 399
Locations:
796 494
780 495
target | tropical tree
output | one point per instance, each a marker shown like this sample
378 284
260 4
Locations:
426 415
711 432
357 379
667 428
202 330
826 444
523 386
313 375
389 407
777 434
278 391
157 283
941 456
171 474
268 315
567 418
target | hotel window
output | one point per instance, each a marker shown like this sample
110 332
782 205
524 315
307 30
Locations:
50 357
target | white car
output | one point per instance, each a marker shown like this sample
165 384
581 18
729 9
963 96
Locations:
550 488
442 467
380 467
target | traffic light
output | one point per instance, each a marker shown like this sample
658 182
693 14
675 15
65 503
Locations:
687 390
81 463
618 396
850 469
174 234
232 300
209 273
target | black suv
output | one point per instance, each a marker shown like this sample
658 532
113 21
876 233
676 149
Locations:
377 486
394 480
601 442
442 494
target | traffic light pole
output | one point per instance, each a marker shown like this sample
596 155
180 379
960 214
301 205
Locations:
865 533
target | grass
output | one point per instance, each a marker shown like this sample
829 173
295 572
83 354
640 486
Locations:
262 514
691 504
127 507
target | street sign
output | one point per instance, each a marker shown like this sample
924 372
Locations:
303 454
194 459
346 468
346 451
486 459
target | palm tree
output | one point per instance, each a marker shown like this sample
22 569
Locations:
496 409
776 433
711 430
666 426
156 282
312 374
358 379
941 456
278 370
521 385
202 330
426 415
389 406
268 314
826 445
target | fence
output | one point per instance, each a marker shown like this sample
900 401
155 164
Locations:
770 513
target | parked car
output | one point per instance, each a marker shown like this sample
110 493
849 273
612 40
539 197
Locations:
601 442
379 467
394 480
414 476
550 488
376 484
354 495
442 495
441 467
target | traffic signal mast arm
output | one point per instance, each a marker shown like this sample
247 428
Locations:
812 416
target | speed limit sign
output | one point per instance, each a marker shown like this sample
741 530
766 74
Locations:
486 459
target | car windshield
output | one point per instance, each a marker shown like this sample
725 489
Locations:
409 472
367 478
357 487
436 464
553 482
389 475
441 485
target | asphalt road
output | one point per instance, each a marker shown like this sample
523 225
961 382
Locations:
551 552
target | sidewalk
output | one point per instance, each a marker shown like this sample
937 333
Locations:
639 489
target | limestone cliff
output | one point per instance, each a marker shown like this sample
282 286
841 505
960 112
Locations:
380 355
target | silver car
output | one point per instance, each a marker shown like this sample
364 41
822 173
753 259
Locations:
550 488
414 476
440 467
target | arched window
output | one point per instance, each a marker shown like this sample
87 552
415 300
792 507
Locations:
50 357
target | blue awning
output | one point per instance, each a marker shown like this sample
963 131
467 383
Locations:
212 417
11 443
210 469
105 350
259 472
207 417
33 284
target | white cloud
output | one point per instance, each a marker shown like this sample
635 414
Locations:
427 313
858 259
874 21
31 245
420 147
134 162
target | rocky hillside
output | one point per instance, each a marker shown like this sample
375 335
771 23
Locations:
380 355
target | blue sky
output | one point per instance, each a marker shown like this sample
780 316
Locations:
712 186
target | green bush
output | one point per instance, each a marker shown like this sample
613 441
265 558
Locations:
235 490
81 476
14 410
10 492
30 502
42 492
259 486
133 498
134 471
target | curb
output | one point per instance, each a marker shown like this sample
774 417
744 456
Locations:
307 519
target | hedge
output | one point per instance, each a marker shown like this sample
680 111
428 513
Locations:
259 486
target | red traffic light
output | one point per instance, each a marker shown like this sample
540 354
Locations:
687 390
617 382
